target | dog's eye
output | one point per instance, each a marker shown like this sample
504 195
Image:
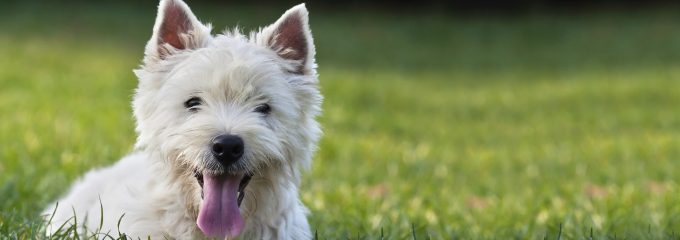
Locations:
263 108
193 103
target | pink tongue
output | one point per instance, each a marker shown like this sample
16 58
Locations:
219 215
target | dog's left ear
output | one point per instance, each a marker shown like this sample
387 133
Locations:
291 38
176 29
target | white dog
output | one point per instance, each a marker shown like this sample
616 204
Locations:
225 125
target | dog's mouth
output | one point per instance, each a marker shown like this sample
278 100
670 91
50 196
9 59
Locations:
241 186
219 214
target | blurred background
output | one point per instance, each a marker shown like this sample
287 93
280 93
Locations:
442 119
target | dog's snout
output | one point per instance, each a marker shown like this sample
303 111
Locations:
227 149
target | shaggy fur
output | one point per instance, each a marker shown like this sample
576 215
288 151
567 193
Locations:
154 189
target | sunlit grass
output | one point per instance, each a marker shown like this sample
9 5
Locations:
471 127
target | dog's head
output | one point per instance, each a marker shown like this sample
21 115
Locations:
220 109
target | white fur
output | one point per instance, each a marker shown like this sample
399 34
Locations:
154 186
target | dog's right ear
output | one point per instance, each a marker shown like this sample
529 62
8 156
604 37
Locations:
176 29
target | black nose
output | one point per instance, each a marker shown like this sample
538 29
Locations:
227 149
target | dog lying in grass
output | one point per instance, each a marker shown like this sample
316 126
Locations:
225 123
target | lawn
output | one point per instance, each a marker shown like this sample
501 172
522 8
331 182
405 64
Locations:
529 126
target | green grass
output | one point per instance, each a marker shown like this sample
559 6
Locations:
500 127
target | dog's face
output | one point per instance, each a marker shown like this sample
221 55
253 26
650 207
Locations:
222 109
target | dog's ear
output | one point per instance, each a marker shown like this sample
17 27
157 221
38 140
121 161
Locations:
291 38
176 29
